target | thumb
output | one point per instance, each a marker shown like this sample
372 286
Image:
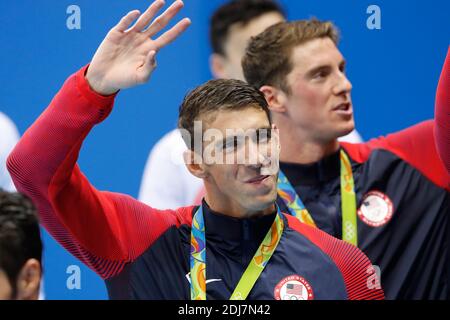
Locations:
147 68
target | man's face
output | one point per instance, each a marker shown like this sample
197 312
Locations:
237 40
5 287
319 103
248 185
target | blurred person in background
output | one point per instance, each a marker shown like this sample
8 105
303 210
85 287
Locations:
8 139
20 248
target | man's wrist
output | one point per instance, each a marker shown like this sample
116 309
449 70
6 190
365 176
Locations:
97 86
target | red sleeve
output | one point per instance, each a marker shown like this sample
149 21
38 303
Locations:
104 230
415 145
442 114
353 264
425 146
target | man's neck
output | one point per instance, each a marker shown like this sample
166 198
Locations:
302 149
234 210
307 152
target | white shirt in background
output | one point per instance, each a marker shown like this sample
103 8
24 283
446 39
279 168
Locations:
166 183
8 139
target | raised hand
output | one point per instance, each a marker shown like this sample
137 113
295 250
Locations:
126 57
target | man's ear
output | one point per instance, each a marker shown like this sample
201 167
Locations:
217 66
194 164
275 97
28 281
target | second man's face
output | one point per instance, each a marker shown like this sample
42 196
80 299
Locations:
320 101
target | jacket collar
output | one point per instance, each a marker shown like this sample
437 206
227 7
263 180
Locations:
229 232
322 171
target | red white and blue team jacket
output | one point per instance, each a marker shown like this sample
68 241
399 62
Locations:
143 253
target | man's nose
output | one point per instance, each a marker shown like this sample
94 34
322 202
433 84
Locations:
343 85
254 156
263 158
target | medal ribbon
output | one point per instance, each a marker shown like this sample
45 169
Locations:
348 201
250 275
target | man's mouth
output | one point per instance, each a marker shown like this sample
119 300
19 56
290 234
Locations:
344 108
257 179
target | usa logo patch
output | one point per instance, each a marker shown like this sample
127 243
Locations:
293 288
376 209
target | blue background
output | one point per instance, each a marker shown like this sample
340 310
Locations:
394 72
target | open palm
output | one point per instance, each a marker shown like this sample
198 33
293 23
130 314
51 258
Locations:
126 57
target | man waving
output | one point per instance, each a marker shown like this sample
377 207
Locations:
236 245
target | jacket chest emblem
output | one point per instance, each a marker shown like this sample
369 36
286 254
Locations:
293 288
376 209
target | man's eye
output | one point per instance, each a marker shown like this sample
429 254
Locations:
263 136
321 74
231 145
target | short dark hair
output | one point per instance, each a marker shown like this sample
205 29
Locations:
237 11
267 60
20 237
216 95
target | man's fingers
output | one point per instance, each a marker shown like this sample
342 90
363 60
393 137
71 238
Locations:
126 21
148 15
171 34
161 21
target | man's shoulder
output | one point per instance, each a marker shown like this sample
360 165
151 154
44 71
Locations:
415 146
353 264
185 214
327 243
